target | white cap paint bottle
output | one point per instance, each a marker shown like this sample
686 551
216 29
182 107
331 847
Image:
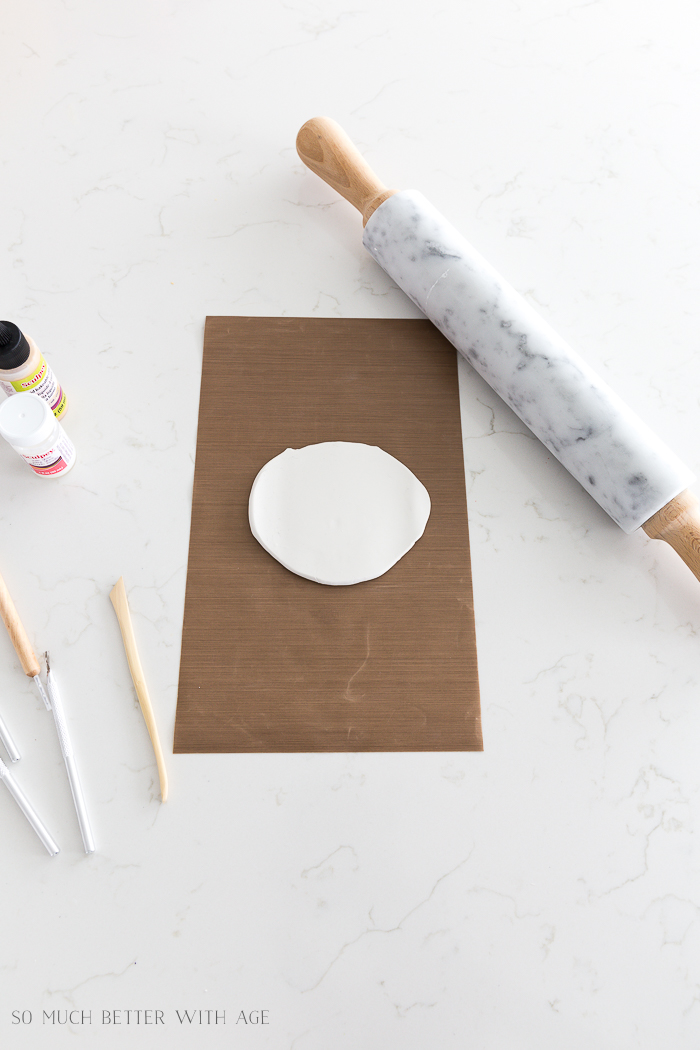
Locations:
29 425
23 369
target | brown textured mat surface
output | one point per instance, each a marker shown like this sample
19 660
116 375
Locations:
274 662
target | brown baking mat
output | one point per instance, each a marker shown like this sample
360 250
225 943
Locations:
274 662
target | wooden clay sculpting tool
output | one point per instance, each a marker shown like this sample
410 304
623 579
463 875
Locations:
121 607
632 474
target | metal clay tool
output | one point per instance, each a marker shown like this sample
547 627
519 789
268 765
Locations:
69 759
30 813
8 743
121 607
630 472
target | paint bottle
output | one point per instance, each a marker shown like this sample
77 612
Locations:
28 424
23 369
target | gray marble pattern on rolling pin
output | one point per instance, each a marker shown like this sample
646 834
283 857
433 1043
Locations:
615 456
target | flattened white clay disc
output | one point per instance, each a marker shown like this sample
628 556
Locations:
338 512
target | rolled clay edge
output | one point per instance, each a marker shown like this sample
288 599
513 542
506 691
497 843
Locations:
341 583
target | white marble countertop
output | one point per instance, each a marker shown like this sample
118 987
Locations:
543 894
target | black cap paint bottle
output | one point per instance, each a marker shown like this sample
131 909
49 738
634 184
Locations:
23 369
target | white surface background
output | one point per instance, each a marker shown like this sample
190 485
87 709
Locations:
543 894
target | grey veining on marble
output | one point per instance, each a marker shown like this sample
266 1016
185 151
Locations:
629 471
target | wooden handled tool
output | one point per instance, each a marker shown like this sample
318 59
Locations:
121 607
630 472
17 633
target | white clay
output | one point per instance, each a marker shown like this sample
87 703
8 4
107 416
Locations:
338 512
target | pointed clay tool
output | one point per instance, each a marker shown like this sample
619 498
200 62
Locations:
30 813
121 607
69 759
8 742
20 640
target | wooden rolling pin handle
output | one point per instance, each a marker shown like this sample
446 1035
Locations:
329 153
679 524
17 633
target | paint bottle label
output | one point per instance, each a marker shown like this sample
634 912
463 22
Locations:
42 382
56 460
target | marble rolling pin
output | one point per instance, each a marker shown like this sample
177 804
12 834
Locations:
633 475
